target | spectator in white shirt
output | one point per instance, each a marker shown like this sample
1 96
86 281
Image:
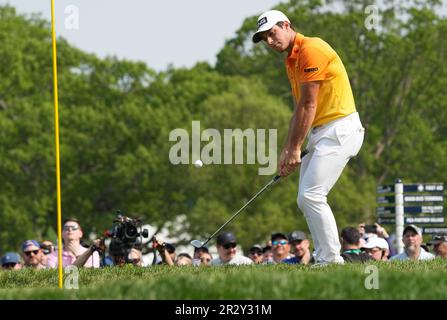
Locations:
227 250
412 239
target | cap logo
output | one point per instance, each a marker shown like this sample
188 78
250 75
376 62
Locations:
261 22
311 69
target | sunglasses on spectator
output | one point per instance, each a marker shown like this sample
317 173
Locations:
72 228
229 245
282 242
47 249
9 265
28 253
256 253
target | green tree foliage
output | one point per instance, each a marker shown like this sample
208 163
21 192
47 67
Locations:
116 116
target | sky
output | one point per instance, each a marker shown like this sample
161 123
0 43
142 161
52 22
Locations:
160 33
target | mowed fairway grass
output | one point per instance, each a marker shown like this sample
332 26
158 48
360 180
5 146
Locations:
397 280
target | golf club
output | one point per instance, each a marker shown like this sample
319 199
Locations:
199 244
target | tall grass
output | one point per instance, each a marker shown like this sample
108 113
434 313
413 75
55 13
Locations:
396 280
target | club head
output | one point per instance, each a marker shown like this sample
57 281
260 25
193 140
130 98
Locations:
197 244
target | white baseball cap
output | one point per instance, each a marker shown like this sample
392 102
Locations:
266 21
414 228
376 242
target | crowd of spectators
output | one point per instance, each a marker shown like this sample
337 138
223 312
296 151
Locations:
359 244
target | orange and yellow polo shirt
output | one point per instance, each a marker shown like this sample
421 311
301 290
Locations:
312 59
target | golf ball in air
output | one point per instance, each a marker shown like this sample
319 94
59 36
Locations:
198 163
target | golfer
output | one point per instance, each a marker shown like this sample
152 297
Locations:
324 110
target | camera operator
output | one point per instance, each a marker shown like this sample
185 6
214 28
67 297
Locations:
122 255
72 248
120 258
125 245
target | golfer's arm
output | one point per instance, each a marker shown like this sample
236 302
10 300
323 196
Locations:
303 116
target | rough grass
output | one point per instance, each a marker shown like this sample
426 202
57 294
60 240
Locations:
397 280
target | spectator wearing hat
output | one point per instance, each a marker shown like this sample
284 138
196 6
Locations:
202 256
32 254
227 250
255 254
376 230
72 248
350 244
300 247
280 247
198 251
267 255
377 248
11 261
439 243
412 239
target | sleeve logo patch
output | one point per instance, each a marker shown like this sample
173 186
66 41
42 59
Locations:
311 69
262 21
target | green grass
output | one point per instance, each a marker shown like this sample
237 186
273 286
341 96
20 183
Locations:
397 280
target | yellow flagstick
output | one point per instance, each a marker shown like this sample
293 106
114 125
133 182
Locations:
56 133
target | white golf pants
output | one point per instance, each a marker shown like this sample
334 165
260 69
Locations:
330 147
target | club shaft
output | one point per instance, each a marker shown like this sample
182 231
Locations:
276 178
240 210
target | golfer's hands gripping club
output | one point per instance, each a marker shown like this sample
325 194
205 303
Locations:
290 159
